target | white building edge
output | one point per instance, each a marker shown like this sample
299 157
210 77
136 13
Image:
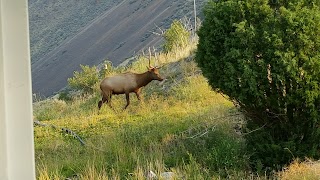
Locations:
16 124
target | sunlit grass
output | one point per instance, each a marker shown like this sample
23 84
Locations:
180 126
301 170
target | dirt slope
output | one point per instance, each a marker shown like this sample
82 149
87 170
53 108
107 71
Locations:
115 35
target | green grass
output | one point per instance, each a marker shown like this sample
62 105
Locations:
180 126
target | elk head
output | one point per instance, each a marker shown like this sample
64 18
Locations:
154 71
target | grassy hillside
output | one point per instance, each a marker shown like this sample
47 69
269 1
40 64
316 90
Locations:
180 127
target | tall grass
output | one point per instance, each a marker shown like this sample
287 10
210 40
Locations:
301 170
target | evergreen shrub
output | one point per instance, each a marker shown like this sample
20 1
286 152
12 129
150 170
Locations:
264 55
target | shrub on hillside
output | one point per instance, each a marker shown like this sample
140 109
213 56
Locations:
177 36
64 96
265 56
85 80
107 69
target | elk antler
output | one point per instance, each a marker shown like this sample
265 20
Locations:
157 62
155 57
150 58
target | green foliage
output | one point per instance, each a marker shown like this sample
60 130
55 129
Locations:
85 80
106 70
177 36
265 56
212 147
64 96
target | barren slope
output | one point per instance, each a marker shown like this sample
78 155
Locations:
115 35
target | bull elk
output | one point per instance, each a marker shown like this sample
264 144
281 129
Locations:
127 83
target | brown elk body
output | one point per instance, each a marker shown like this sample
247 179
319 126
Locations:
127 83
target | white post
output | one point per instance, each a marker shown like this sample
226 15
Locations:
195 18
16 125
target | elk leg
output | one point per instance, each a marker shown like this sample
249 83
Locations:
109 102
100 104
128 100
108 99
138 94
103 100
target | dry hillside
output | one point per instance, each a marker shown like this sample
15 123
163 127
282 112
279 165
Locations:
67 34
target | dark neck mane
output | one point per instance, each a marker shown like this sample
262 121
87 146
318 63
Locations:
143 79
